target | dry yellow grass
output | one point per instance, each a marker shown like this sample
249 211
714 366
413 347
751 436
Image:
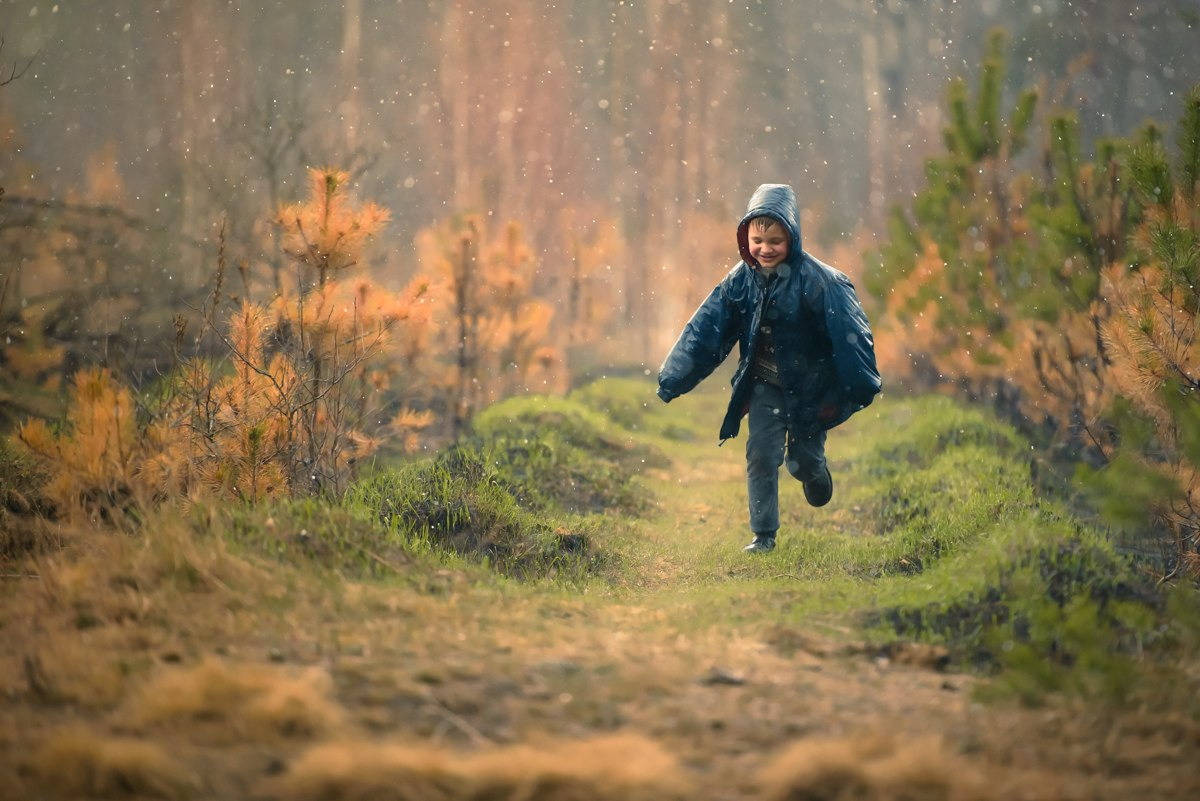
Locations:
616 768
77 763
879 766
870 768
362 771
237 702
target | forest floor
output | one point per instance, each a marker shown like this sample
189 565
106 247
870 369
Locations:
174 667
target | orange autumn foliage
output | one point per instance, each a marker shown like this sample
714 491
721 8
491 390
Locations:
326 232
98 453
495 323
290 409
293 414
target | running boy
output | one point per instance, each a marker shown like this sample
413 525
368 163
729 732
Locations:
806 356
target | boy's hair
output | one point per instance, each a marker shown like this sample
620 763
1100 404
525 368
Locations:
763 223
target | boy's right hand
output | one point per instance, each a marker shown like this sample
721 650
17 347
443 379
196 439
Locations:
663 395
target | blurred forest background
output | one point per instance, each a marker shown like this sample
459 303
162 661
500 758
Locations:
281 236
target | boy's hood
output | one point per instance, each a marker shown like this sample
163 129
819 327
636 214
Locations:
771 200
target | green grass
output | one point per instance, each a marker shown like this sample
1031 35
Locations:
563 455
528 491
936 534
609 498
313 532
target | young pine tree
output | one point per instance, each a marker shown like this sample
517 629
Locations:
1152 335
294 406
96 455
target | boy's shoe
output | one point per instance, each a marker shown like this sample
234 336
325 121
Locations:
761 544
818 491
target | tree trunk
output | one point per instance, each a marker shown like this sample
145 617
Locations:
456 82
875 98
350 58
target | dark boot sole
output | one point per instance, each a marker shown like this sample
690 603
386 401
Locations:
822 495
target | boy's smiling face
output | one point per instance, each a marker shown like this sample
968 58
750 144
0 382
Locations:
768 241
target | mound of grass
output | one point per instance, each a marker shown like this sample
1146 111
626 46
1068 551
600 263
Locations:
974 560
940 505
632 405
521 491
932 426
313 531
560 455
460 502
1018 600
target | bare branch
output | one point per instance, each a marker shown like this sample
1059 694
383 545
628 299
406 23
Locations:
15 73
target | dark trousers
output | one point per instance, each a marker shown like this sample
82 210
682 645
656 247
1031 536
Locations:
766 447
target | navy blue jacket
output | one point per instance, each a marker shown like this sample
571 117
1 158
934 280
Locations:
823 342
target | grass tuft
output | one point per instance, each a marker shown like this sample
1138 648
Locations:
240 701
616 768
870 768
77 763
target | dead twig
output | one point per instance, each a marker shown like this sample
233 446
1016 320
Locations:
13 74
377 558
455 720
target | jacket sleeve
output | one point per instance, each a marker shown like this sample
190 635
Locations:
705 342
853 344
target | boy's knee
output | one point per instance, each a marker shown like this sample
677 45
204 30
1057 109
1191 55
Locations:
805 471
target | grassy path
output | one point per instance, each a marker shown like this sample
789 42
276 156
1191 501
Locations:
171 667
714 655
